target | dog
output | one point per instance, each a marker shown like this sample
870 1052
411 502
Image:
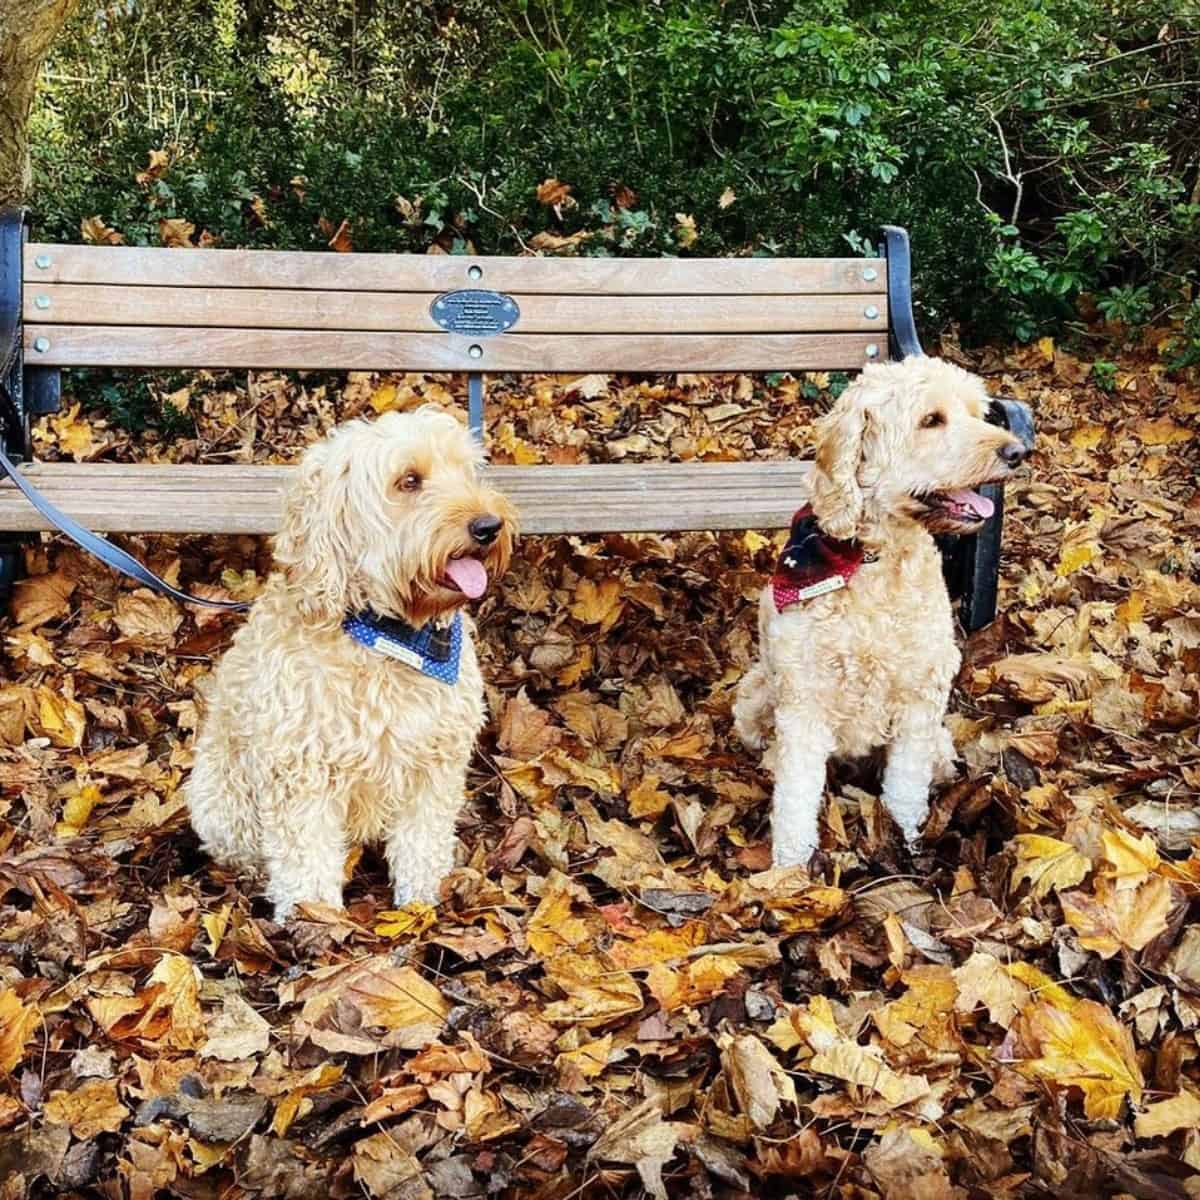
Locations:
347 707
857 648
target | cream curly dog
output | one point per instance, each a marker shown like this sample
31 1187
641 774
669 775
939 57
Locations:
857 646
321 732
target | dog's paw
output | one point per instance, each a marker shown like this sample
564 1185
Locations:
792 854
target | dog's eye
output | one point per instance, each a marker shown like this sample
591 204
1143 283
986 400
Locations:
410 481
933 419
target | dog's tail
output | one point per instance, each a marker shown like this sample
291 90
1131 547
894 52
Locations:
754 708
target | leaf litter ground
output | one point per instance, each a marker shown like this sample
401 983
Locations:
617 994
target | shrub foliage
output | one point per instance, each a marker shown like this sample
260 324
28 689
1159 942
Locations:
1038 150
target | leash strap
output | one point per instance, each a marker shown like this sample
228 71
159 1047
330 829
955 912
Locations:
104 550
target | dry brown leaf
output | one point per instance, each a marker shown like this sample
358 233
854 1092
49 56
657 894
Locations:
642 1138
18 1022
1047 863
91 1109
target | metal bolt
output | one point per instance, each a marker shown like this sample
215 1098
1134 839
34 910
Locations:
41 301
475 351
41 345
870 274
870 312
42 262
440 304
508 306
872 350
475 272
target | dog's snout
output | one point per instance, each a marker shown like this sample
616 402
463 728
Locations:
1012 454
485 529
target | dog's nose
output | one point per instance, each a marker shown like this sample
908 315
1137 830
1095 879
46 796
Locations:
1012 454
485 529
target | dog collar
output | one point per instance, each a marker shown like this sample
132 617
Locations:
434 650
813 563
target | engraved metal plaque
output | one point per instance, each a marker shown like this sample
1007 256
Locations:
475 312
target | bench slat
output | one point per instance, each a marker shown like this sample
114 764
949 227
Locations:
409 312
324 271
591 498
179 346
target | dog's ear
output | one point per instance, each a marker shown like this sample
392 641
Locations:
313 545
837 499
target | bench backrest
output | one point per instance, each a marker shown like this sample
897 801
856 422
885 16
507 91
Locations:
133 307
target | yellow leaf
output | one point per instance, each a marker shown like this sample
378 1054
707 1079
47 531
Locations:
91 1109
1132 609
704 978
591 1058
215 925
177 1003
1133 859
659 945
383 399
60 718
727 197
754 541
685 230
1118 919
1047 863
1088 436
1082 1046
74 436
552 928
1077 556
17 1024
648 799
1163 432
597 603
595 994
94 231
77 810
397 997
175 231
1163 1118
408 922
1046 348
982 979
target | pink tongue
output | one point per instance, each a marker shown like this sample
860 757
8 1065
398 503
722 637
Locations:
973 502
469 575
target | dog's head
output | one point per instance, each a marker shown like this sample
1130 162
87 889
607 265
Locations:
393 515
911 441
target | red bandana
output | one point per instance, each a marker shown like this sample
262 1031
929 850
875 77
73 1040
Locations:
812 563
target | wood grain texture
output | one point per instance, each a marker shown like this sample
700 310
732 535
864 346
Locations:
179 346
594 498
328 271
409 312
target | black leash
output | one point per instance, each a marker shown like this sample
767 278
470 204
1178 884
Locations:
104 550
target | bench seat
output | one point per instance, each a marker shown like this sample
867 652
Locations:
585 499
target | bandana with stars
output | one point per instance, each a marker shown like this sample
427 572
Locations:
813 563
434 650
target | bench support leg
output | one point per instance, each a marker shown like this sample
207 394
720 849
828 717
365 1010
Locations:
475 405
975 563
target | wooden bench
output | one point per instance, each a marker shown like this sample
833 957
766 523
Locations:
64 306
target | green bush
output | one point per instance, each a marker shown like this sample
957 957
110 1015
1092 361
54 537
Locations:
1036 149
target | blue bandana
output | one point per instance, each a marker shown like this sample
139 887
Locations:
433 650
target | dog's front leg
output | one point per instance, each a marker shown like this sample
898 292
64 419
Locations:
304 841
420 849
803 746
911 759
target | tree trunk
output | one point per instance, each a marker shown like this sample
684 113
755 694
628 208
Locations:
27 28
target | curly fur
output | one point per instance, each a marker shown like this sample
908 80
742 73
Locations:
310 742
871 665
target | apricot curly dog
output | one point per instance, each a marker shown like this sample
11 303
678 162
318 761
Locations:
857 647
348 705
